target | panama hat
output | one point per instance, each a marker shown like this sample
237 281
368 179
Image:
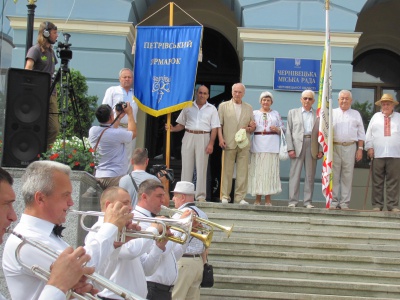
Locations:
184 187
388 98
241 138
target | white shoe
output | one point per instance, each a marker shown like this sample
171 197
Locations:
310 206
291 205
224 201
243 202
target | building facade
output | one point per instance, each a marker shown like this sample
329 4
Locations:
241 40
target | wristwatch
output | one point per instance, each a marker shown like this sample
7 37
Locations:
361 148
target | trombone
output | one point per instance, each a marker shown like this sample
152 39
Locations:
226 229
45 274
181 225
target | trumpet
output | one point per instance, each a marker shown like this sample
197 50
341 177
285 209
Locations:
181 225
226 229
45 274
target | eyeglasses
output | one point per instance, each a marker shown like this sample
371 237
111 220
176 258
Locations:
308 98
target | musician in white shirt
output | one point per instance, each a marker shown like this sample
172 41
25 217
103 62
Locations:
125 266
66 271
191 264
161 283
47 191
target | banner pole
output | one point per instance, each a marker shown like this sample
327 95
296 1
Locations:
168 141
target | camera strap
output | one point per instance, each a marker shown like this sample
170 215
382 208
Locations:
95 147
134 183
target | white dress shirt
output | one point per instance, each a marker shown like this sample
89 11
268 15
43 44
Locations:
348 126
116 94
124 266
308 120
203 119
53 293
21 282
195 246
167 272
384 146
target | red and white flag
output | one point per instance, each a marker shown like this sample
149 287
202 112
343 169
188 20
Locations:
324 111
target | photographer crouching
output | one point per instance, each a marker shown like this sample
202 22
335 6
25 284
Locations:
109 141
140 161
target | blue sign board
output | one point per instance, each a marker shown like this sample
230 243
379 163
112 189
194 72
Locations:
296 74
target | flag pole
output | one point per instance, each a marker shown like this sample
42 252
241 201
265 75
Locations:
324 112
168 141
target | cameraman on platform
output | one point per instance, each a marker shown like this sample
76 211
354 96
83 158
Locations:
110 141
41 57
131 182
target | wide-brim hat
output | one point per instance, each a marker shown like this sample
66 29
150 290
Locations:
184 187
241 138
387 98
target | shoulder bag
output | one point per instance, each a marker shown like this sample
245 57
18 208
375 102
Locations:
208 276
283 153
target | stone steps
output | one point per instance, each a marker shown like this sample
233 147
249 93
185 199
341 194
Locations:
315 272
285 253
318 235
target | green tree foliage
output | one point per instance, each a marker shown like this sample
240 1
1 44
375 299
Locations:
85 104
366 111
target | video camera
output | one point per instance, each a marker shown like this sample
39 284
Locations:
157 171
63 49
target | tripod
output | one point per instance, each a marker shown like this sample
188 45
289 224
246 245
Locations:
67 95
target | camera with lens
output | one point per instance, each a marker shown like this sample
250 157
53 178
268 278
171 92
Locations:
63 49
157 171
119 107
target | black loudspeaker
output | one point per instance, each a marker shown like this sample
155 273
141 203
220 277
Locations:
27 107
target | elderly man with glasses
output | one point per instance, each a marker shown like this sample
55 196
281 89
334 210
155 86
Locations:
303 148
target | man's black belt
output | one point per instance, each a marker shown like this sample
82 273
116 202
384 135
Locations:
265 133
191 255
161 287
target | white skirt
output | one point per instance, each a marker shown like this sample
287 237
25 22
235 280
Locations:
264 178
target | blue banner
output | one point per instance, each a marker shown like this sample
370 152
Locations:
165 67
296 74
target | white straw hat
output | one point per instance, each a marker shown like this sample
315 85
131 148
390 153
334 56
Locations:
184 187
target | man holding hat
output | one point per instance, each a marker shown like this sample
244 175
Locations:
237 121
190 266
383 147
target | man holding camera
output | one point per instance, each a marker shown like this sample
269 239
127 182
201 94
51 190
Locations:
131 182
41 57
110 141
123 93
